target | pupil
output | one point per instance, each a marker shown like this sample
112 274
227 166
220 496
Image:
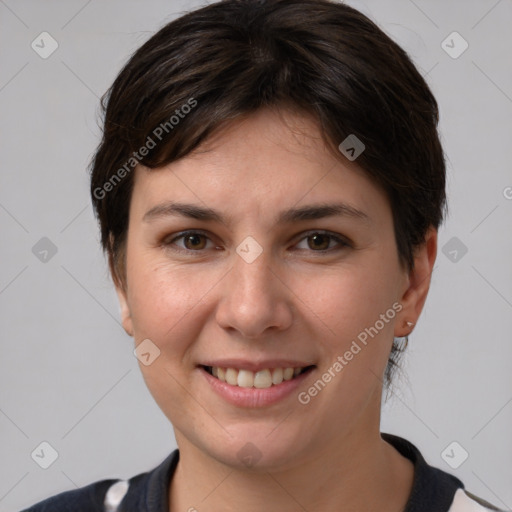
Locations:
319 238
194 241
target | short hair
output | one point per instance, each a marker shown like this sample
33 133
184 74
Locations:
318 58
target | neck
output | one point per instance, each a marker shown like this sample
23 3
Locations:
362 472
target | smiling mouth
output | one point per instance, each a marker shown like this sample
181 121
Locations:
262 379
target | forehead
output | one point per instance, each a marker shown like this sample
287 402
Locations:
260 163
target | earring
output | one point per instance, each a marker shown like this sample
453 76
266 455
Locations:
409 324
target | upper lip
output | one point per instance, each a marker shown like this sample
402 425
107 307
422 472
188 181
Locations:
255 366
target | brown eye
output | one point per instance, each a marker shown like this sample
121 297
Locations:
319 241
194 241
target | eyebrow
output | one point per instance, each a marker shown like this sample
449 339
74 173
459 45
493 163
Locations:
310 212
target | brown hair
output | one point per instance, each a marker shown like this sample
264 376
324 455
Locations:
233 57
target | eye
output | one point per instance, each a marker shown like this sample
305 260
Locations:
321 241
197 241
190 241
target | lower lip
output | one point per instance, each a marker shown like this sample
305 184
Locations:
254 397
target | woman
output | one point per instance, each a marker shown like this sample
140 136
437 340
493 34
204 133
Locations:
269 188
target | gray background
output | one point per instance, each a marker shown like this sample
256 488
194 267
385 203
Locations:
67 371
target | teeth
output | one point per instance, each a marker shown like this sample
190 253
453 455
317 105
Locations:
232 376
277 376
288 373
245 378
261 379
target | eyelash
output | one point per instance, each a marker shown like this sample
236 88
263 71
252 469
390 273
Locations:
342 243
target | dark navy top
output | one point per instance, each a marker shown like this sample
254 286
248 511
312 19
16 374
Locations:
433 490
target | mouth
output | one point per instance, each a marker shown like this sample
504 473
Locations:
262 379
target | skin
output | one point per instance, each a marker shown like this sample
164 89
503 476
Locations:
292 301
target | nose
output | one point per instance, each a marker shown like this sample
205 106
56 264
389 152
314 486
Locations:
255 299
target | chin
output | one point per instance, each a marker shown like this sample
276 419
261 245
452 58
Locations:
257 448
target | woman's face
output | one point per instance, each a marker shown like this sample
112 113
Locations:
268 279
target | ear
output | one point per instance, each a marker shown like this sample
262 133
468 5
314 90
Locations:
126 316
119 278
417 284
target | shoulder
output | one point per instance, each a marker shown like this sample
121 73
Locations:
465 501
433 488
107 495
86 499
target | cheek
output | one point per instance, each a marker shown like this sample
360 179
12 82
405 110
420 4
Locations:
167 308
347 300
163 297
